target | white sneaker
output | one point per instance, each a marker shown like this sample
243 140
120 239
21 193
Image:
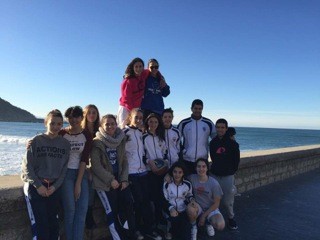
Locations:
210 230
138 236
194 231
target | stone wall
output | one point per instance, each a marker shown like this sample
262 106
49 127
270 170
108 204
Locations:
257 168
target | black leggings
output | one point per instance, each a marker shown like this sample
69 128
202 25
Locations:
121 203
139 187
180 226
45 210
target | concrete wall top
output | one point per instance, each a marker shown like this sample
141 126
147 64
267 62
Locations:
254 158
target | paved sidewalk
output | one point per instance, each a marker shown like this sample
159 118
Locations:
288 209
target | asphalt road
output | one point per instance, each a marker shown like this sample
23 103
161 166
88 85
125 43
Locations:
288 209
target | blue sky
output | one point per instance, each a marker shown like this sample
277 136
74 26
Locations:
255 63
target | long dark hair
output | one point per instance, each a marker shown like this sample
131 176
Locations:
160 131
129 73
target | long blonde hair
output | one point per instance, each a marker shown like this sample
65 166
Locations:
84 122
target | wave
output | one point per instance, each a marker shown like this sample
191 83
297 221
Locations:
14 139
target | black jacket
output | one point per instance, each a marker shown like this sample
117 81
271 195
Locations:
225 156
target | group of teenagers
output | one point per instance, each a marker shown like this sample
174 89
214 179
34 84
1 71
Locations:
117 159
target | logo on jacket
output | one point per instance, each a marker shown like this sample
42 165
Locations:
204 129
221 150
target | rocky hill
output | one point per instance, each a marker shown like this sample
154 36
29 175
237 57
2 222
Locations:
10 113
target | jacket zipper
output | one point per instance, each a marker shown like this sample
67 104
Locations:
168 146
195 156
137 146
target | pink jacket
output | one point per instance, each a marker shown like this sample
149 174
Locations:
132 90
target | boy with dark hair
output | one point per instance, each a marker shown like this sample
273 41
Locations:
225 157
172 136
195 132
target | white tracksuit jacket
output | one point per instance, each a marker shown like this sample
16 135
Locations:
177 196
134 150
154 148
195 137
172 135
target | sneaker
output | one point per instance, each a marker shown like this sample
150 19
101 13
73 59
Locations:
210 230
138 236
232 224
194 231
154 235
168 236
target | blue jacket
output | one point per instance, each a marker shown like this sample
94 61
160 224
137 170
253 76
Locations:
153 95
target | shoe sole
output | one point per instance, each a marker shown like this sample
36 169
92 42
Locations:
232 228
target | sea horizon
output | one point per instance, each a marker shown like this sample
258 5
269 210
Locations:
176 124
14 136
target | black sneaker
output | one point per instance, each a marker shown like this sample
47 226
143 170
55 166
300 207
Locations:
232 224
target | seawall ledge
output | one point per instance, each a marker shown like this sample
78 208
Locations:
261 157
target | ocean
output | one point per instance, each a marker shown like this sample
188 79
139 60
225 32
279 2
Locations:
14 135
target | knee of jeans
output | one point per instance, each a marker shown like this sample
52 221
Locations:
69 206
83 214
82 208
68 216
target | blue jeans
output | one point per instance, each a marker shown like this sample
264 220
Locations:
74 211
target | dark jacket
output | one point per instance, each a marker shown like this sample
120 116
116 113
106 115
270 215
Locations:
225 156
153 95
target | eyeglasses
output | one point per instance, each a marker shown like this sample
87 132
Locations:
154 67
